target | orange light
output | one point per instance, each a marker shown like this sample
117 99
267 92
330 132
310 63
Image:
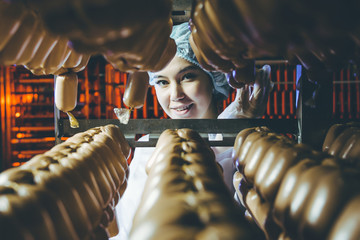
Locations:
82 98
20 135
17 114
16 164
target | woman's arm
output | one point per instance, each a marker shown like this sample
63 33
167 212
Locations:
251 100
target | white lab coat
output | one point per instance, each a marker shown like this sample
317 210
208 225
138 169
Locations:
256 99
127 206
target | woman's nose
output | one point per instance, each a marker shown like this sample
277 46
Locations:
177 93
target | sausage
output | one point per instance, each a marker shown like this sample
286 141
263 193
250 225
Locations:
35 65
39 210
346 226
45 204
338 184
29 52
241 76
57 57
271 170
333 132
136 89
17 44
11 14
185 185
30 215
198 54
66 91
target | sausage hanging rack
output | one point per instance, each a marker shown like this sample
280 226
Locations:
305 128
229 128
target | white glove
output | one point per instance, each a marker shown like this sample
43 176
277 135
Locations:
251 100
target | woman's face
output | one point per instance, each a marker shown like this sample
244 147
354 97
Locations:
184 90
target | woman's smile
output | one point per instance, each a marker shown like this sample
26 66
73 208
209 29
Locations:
183 109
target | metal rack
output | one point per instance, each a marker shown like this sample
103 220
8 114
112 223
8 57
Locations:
229 128
309 126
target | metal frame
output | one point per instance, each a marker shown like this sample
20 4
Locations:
229 128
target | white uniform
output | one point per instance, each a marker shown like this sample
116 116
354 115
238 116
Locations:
129 202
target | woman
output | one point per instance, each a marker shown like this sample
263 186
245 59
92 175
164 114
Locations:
185 90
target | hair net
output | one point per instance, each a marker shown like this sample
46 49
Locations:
181 34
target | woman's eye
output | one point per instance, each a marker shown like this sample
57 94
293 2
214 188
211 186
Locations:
161 82
188 76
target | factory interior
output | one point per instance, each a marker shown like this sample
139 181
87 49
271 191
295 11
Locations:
66 155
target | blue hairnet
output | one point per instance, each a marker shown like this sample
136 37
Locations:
181 34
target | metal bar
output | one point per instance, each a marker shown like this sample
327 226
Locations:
181 5
299 103
58 130
229 128
36 81
346 81
32 128
271 61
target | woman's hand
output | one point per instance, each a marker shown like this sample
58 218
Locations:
251 100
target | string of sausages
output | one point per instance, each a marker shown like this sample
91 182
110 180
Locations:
342 141
69 192
185 196
227 35
60 37
293 192
131 35
24 40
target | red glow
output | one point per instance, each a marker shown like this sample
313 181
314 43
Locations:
144 108
341 95
348 94
294 79
233 96
16 164
291 102
20 135
283 103
278 78
117 78
268 107
156 105
275 104
117 98
286 79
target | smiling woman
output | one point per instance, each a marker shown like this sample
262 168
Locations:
185 90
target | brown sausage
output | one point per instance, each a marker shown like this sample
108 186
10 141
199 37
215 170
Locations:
66 91
136 89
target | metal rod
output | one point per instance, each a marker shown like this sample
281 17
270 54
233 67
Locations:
229 128
57 120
